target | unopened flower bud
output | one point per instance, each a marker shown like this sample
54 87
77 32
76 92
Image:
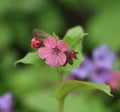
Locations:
36 43
70 55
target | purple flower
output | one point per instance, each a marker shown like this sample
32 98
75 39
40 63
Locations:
99 68
6 103
100 75
84 69
103 57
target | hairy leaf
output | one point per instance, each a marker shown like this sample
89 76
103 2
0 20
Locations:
31 58
74 38
68 86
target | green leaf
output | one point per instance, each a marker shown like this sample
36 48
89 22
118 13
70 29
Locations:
55 36
68 86
31 58
74 38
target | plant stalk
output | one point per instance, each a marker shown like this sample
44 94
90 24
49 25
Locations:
60 80
61 106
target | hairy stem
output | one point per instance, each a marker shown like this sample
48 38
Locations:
61 106
60 79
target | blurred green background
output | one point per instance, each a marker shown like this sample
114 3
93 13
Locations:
32 87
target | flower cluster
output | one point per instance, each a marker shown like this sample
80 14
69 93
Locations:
99 68
6 103
55 52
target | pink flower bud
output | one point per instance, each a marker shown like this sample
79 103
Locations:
70 55
36 43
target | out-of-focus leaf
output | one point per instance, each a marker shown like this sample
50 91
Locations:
85 102
31 5
7 60
68 86
22 35
5 36
5 6
116 105
105 27
30 79
41 101
23 82
72 4
51 20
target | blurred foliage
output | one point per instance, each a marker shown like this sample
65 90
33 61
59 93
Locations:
30 85
104 27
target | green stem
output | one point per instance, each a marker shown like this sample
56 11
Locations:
61 106
60 79
60 76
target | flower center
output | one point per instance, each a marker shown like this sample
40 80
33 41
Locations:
56 50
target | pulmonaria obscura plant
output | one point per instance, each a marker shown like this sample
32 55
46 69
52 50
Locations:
54 51
62 55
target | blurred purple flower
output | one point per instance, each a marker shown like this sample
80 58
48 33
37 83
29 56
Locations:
6 103
103 57
99 68
84 69
100 75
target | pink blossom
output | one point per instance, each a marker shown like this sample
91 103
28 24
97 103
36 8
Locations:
53 51
114 81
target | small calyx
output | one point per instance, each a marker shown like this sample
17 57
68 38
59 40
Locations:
70 55
40 34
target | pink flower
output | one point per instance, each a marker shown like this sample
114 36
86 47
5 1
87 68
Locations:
115 80
53 51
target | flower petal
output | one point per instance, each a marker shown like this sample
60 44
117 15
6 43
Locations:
61 58
62 45
103 57
100 75
52 60
50 42
44 52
